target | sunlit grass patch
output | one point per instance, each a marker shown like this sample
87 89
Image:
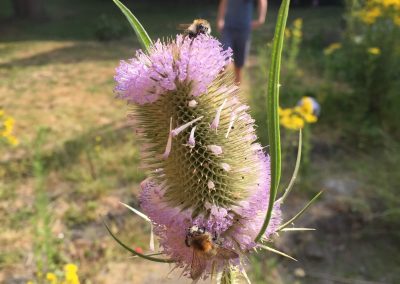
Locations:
65 87
43 90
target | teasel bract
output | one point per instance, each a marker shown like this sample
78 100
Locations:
208 185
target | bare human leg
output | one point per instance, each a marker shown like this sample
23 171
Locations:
238 75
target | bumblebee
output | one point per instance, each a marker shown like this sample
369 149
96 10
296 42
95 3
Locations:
199 26
205 247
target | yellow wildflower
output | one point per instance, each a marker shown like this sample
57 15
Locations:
298 23
8 126
12 140
309 118
370 16
285 111
297 33
332 48
306 114
52 278
71 276
292 122
306 110
374 50
289 119
307 105
297 122
388 3
285 121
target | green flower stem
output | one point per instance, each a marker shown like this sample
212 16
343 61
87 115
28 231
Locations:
305 163
272 111
148 257
295 172
229 276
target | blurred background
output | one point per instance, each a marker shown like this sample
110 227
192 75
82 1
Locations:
68 154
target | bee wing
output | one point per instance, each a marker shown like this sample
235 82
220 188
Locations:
224 253
199 264
183 27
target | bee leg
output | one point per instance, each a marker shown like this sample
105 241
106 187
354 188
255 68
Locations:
215 237
192 35
187 243
213 270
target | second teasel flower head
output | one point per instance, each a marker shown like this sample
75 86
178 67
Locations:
206 169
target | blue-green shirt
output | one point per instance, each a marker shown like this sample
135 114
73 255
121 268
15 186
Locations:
239 14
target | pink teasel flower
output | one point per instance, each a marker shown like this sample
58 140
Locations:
215 149
145 78
208 178
214 125
192 103
237 226
192 140
226 167
179 129
169 142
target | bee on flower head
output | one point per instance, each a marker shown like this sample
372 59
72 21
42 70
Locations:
205 248
199 26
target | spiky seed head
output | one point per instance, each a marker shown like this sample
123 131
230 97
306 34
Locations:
205 167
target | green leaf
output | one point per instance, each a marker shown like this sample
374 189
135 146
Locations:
272 111
141 33
135 252
295 172
300 213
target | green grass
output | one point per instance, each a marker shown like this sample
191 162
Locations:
56 75
77 20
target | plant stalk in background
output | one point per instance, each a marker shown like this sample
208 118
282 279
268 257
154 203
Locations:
44 246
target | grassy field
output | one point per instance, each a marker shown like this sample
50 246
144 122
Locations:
78 157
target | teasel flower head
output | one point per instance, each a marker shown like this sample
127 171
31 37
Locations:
206 169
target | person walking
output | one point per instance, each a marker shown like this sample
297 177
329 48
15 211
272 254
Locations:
235 22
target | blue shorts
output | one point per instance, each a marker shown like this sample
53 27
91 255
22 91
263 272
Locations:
239 41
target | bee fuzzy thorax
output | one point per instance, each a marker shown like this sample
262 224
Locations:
199 26
206 242
198 238
202 243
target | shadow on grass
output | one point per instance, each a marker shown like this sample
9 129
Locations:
79 20
78 52
69 154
